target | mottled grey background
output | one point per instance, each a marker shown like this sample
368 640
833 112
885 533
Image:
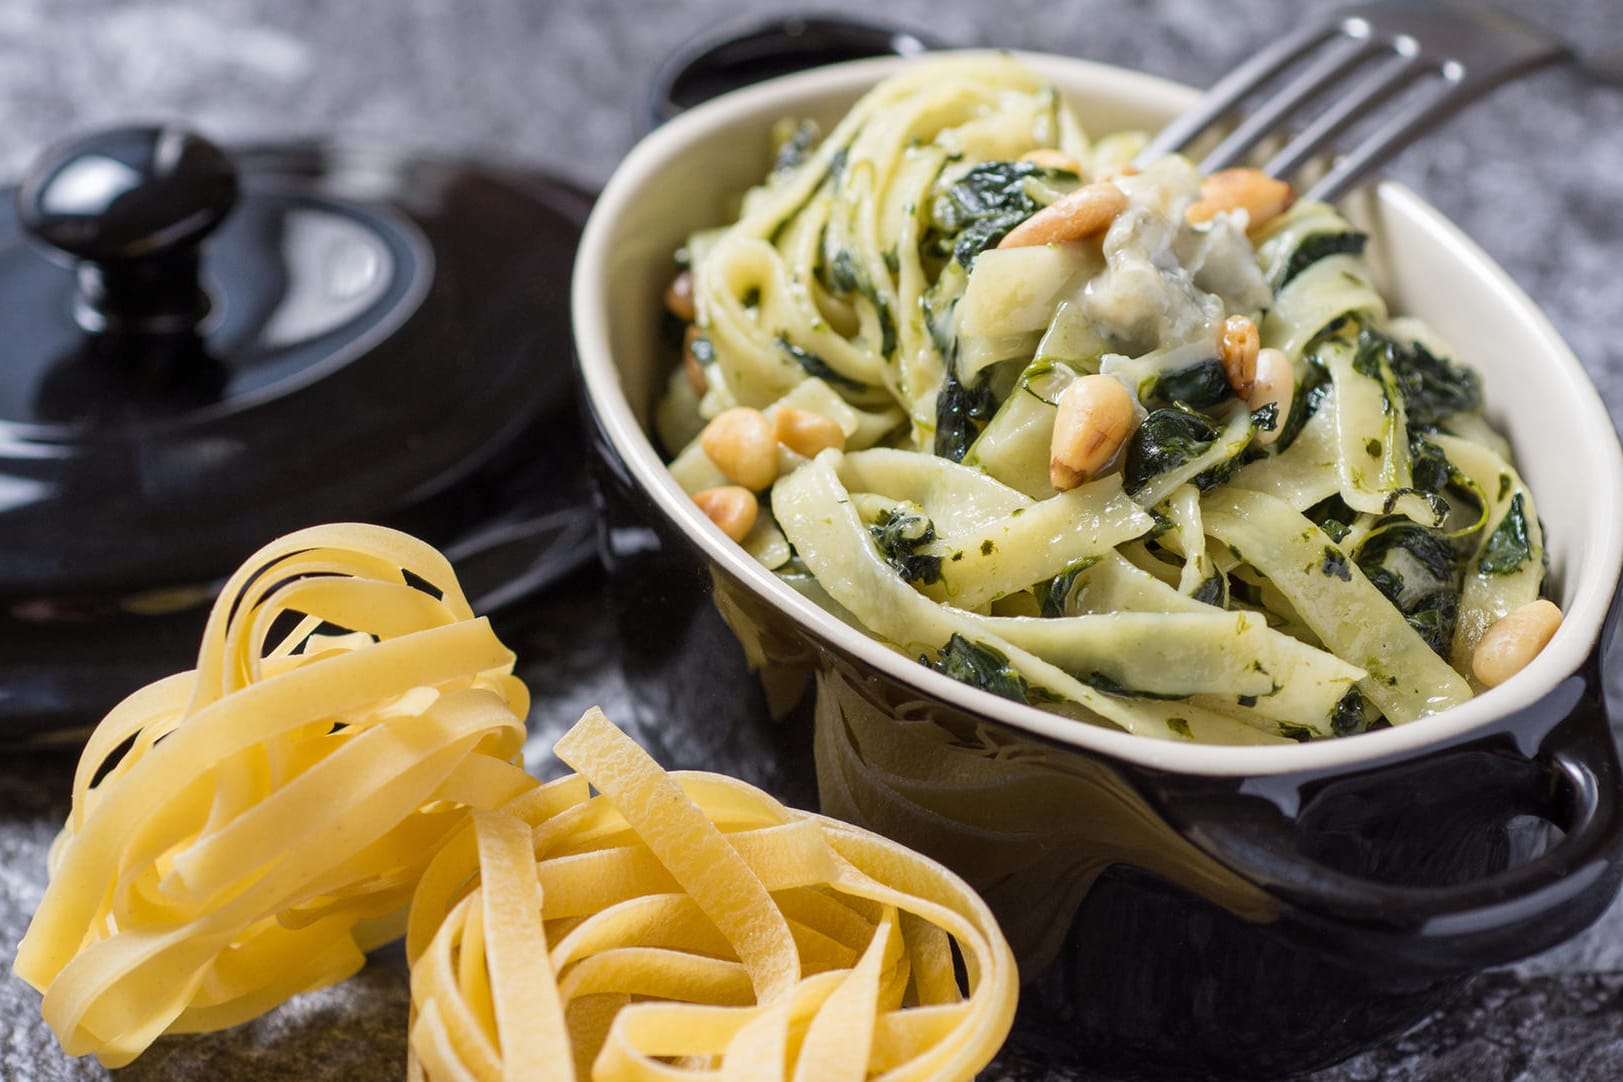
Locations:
1536 176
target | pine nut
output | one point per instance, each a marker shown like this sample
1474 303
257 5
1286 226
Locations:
1083 213
1094 416
1274 385
730 507
1052 158
679 297
742 444
1237 346
692 368
807 433
1514 640
1261 196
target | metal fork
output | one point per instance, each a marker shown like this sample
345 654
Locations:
1427 60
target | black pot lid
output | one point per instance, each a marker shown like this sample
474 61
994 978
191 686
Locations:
200 352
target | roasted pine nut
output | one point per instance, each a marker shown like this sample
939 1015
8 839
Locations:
1237 347
1083 213
1094 416
743 445
691 366
1052 158
1261 196
679 297
1274 385
805 432
731 507
1514 640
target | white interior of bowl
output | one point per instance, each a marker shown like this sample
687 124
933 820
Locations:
683 177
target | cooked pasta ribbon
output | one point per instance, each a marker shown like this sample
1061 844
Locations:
687 926
247 831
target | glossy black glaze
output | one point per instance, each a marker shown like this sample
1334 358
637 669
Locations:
132 204
1167 926
385 342
762 49
127 193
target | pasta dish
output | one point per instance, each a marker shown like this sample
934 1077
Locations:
1137 446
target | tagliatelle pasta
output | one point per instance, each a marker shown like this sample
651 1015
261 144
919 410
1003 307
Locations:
246 831
348 747
687 926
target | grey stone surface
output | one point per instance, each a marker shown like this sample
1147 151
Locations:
559 84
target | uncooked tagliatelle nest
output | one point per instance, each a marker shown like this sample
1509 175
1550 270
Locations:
348 746
245 832
687 926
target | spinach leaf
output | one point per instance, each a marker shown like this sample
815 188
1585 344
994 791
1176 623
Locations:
1373 359
1435 474
841 275
1333 516
1290 731
1350 715
960 414
1509 546
1319 245
1054 595
984 667
1434 616
1310 394
1165 440
900 534
816 366
1433 388
1429 550
887 323
1214 591
1169 438
1199 386
1100 682
1335 564
980 208
795 145
1423 583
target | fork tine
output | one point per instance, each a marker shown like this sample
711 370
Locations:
1342 56
1436 102
1470 49
1229 90
1389 78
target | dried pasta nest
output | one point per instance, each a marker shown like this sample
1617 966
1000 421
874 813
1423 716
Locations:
247 831
688 926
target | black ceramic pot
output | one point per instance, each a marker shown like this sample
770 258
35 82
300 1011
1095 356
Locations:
205 351
1177 911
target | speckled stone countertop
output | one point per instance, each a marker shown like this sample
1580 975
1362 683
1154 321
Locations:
1533 176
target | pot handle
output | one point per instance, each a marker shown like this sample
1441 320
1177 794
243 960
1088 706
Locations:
762 49
1572 782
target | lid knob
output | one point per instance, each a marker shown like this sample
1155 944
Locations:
131 205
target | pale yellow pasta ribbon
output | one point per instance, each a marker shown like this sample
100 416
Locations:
688 927
246 831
